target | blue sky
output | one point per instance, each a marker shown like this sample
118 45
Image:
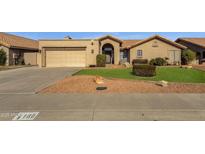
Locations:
91 35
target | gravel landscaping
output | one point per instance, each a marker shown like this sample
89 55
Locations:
86 84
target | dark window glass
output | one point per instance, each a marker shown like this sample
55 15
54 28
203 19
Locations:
139 53
204 54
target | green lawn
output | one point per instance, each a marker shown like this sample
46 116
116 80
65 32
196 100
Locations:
171 74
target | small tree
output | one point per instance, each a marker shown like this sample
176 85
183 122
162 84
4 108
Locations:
2 57
101 60
188 56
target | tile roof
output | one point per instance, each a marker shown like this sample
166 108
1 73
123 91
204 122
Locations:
128 43
197 41
13 41
110 37
160 38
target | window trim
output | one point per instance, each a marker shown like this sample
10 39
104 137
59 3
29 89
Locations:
139 53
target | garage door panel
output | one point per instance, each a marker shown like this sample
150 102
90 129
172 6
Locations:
54 59
65 59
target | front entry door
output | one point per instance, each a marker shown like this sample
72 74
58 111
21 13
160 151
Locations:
108 50
108 58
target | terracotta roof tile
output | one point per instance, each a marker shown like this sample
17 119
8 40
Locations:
110 37
160 38
128 43
17 41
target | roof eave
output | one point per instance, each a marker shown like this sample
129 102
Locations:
64 46
24 48
180 39
110 37
160 38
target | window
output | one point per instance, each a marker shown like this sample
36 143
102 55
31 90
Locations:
139 53
123 55
203 55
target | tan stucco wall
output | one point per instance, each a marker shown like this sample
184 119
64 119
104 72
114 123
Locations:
39 60
30 58
91 45
116 46
163 50
7 53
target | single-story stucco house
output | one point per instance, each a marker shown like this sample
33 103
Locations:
17 47
70 52
195 44
82 52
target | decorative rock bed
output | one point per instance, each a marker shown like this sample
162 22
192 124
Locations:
162 83
86 84
98 80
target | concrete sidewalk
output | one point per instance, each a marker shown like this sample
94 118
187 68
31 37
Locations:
106 106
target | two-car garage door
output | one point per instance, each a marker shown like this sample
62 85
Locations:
66 58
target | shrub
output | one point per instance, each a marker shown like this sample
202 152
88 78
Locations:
158 61
187 56
152 62
2 57
101 60
139 61
21 61
144 70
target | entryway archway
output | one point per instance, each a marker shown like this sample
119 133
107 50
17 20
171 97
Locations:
108 50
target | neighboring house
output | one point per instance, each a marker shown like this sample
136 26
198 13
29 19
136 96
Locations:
18 49
82 52
195 44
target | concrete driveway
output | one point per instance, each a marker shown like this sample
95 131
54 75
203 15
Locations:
30 79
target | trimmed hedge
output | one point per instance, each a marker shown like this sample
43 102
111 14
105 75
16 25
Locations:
2 57
144 70
101 60
139 61
158 62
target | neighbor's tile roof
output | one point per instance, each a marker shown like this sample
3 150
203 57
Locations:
197 41
17 41
128 43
